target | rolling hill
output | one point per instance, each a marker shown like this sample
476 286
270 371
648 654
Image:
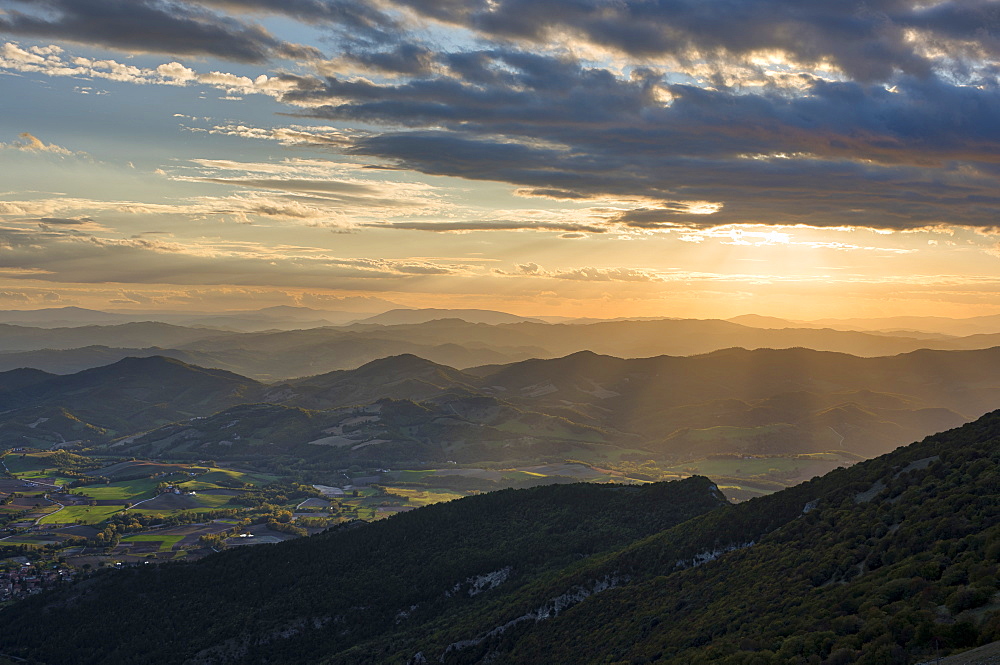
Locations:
396 317
118 399
278 353
139 334
587 406
889 561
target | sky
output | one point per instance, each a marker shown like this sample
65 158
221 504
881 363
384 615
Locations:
604 158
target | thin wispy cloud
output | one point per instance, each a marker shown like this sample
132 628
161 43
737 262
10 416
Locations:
28 143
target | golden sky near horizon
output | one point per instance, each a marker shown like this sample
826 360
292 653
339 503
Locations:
565 158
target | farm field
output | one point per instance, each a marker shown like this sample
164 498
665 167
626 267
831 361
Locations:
200 502
179 510
417 498
133 468
127 490
165 542
81 514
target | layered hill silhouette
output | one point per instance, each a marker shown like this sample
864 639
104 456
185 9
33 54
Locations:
408 409
893 560
131 395
282 353
409 316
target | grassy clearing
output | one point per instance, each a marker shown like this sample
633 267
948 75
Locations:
19 464
166 542
223 476
172 511
195 485
128 490
84 514
215 475
31 474
137 468
424 497
739 467
213 500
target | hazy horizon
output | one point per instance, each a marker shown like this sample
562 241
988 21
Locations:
567 159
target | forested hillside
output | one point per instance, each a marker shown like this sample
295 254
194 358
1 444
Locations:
345 586
884 562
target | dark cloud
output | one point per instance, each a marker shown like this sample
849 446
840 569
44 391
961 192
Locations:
406 58
869 41
906 137
361 18
63 221
146 26
925 152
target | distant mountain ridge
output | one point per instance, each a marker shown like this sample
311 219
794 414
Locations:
130 395
412 316
406 408
274 354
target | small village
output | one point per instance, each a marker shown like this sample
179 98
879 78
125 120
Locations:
21 578
63 515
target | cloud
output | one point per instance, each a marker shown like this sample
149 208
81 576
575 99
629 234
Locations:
29 143
295 135
151 26
490 225
16 296
312 189
589 274
693 114
361 19
48 256
841 154
70 225
51 61
352 193
869 42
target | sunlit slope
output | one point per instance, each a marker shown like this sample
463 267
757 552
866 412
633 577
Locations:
830 400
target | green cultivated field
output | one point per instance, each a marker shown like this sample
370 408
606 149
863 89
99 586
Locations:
196 485
166 542
127 490
227 476
84 514
214 501
423 497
